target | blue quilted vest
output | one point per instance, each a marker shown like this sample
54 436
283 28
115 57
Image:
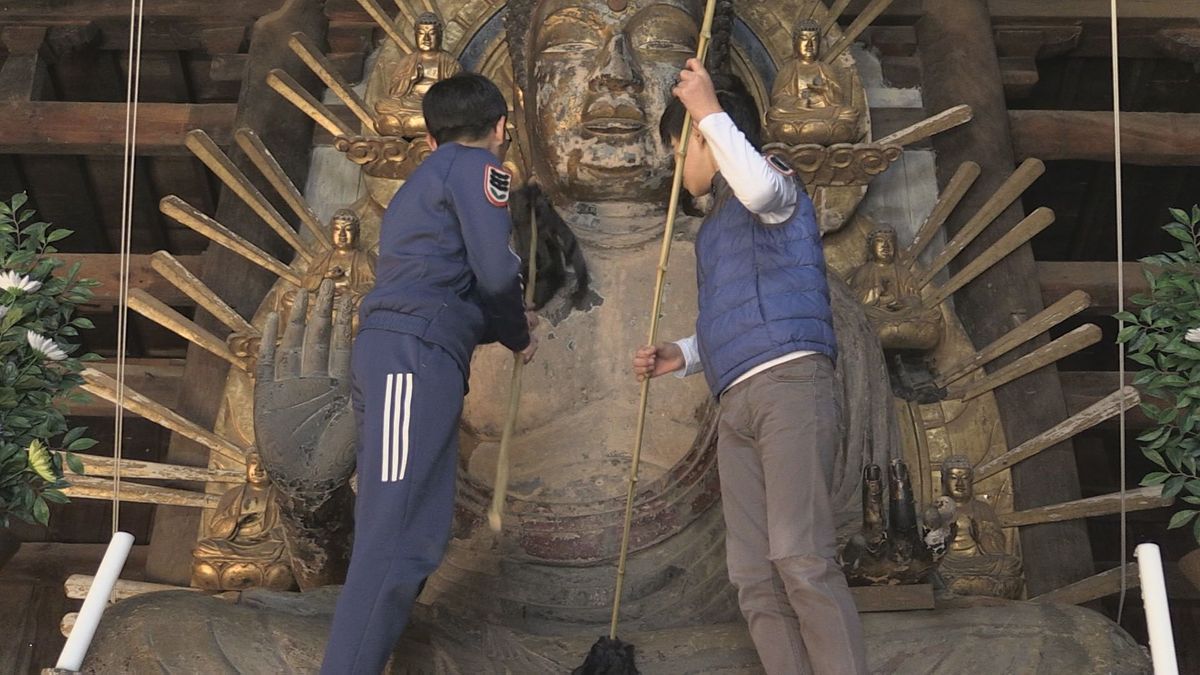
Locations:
762 289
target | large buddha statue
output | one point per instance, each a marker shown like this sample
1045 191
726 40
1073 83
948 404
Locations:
977 562
244 547
400 113
812 101
891 298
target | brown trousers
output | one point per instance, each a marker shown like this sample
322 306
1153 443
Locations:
776 441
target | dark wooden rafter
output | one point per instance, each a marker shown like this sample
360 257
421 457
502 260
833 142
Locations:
1149 138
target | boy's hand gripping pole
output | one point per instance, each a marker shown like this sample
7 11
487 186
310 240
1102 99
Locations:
664 256
500 485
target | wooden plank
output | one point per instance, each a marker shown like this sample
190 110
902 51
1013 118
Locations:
1139 499
1092 588
75 128
165 9
77 586
1147 138
85 487
1085 388
106 268
892 598
1097 279
160 379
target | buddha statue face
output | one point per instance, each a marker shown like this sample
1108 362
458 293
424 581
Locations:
343 229
808 44
428 34
883 246
599 80
255 473
956 483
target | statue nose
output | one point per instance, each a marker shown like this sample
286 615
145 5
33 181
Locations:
616 69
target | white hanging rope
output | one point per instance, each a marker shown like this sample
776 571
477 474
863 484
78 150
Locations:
136 14
1116 90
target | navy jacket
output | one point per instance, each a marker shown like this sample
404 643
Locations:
445 271
762 289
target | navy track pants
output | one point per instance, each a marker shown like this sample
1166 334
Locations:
408 397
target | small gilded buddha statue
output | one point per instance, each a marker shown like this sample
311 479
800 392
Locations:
244 547
977 562
813 102
891 299
351 268
399 114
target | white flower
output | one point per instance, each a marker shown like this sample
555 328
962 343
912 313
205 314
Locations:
44 346
1192 335
10 280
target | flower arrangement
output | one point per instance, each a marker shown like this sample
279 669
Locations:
38 333
1165 338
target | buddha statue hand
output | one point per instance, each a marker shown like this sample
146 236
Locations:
305 431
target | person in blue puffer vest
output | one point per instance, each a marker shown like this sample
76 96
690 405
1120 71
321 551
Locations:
764 340
446 281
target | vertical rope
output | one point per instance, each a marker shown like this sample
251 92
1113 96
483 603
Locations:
1116 90
132 85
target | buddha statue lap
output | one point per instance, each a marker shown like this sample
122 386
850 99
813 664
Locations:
813 102
977 562
400 113
245 546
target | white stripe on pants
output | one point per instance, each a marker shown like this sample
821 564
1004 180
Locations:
397 406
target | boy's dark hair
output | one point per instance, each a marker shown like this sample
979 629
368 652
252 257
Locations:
464 107
735 100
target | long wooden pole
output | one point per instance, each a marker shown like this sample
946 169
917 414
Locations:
659 281
500 485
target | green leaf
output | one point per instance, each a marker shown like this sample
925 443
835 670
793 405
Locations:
82 444
55 496
1180 216
1173 485
41 512
1181 518
1127 333
1125 316
1143 359
58 235
1192 499
74 463
1155 478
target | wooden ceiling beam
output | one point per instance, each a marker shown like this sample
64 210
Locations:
1151 139
119 9
1097 279
73 128
1084 388
1093 9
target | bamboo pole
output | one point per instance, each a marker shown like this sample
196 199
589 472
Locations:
1001 199
1092 588
180 277
186 214
311 55
915 133
955 190
500 485
1065 308
154 309
1025 230
1109 406
656 309
1141 499
1083 336
286 86
207 151
96 382
258 154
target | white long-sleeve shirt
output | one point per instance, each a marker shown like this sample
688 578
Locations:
764 190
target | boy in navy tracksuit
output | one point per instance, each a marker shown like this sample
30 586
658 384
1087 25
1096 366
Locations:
446 280
764 339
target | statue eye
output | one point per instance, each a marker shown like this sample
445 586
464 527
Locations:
569 47
665 46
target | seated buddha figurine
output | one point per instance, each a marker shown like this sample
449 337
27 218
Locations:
812 101
977 562
891 299
351 268
244 547
399 114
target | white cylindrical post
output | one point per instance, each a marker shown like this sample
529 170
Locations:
1158 617
71 658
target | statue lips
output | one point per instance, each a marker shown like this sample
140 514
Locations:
616 117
